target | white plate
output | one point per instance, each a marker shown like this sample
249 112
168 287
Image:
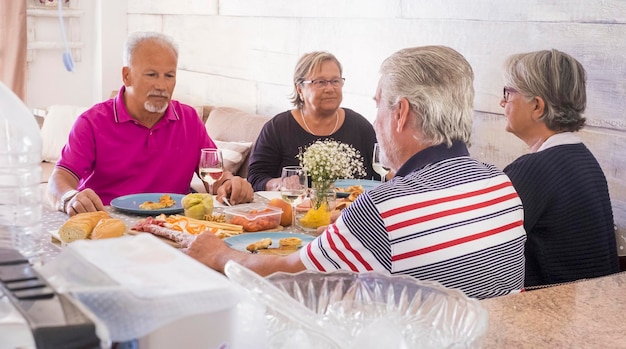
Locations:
269 195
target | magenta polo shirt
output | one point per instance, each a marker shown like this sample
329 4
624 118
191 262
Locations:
113 154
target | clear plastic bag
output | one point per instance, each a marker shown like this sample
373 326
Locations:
137 284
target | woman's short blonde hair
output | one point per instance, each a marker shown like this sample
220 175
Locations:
308 63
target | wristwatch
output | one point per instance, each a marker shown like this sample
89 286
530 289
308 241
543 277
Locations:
65 199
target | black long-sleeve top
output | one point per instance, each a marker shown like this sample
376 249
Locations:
282 137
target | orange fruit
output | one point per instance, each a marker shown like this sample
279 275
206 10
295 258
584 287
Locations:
285 218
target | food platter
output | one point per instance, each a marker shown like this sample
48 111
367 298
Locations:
130 203
240 242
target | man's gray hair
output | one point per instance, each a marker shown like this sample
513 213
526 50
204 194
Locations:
137 38
438 83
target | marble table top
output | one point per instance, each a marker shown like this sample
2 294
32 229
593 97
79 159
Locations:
585 314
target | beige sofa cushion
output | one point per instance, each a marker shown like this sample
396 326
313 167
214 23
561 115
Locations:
56 128
233 125
234 154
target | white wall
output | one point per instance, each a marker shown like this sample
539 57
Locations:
241 53
98 69
110 33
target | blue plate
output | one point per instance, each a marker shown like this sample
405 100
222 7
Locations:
345 183
130 204
239 242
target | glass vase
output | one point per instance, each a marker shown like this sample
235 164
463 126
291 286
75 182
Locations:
323 201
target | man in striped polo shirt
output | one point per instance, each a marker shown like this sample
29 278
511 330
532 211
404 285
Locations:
444 217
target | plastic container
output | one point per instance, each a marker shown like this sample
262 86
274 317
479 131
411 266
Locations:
20 175
254 217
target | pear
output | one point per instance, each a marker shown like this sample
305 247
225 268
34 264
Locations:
191 201
197 205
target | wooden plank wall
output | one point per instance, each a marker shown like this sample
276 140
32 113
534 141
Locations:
241 53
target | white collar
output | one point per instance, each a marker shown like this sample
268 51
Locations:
560 139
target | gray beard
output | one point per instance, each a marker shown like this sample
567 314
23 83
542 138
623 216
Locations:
154 108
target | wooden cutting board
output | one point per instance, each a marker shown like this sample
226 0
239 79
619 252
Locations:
167 241
177 245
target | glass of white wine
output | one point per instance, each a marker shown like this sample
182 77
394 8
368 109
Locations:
211 166
293 187
377 163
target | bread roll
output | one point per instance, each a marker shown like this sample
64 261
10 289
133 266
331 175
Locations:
108 228
290 243
259 245
80 226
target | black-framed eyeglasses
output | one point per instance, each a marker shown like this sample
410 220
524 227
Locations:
506 93
320 83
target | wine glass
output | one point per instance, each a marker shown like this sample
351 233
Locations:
211 166
377 163
293 187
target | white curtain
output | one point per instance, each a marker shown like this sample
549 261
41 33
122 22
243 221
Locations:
13 45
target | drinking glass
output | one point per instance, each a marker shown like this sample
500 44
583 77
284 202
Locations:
377 163
293 187
211 166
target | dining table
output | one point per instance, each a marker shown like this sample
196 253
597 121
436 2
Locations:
588 313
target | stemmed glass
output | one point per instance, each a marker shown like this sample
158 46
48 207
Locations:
293 187
377 163
211 166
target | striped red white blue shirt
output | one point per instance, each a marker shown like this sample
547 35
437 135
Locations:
456 221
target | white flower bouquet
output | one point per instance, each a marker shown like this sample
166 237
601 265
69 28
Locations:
325 162
330 160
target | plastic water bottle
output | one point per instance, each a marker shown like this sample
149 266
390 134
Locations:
20 175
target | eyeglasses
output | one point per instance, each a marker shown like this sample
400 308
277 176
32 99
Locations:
322 83
506 93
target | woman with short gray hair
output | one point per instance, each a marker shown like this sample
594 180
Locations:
567 210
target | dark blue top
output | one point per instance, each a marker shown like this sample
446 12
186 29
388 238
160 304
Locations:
567 215
431 155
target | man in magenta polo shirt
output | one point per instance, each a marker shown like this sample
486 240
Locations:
138 142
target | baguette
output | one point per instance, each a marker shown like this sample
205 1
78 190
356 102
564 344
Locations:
108 228
80 226
210 224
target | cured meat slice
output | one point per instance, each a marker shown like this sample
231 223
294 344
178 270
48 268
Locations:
182 238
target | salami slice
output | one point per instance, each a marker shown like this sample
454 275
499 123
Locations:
182 238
